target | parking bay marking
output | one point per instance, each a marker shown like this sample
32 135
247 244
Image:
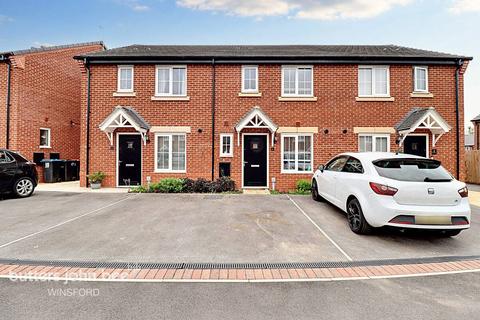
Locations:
321 230
64 222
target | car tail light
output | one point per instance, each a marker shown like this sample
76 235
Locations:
463 192
383 189
403 219
459 221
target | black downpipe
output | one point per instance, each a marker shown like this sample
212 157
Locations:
457 115
213 118
9 78
87 156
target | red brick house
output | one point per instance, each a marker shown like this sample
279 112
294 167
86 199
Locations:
40 100
265 115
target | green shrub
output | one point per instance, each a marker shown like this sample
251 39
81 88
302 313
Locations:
188 185
202 185
224 184
167 185
303 186
139 189
95 177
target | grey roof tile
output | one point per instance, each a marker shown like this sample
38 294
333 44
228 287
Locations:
270 51
142 123
411 118
51 48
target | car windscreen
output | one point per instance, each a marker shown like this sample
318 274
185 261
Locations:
412 169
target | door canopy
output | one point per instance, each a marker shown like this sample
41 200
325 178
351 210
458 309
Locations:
124 117
256 119
423 118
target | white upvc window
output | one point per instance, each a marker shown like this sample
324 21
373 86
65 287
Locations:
45 137
125 79
170 152
171 81
420 79
374 142
250 79
373 81
297 81
297 153
226 145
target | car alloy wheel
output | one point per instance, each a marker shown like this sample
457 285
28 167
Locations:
24 187
315 195
356 220
353 215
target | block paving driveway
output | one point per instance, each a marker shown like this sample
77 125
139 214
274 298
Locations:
203 228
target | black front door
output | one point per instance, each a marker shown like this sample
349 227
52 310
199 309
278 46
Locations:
255 161
416 145
129 159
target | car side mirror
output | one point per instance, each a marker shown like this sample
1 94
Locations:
321 167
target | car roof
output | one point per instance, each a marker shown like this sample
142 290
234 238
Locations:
372 156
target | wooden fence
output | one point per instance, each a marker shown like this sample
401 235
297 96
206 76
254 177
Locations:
472 162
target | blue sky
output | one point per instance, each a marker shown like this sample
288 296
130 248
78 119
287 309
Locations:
442 25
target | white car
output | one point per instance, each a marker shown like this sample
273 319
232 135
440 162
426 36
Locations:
378 189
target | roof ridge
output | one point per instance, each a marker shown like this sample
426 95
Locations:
52 48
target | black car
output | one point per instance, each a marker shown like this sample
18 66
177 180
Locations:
17 175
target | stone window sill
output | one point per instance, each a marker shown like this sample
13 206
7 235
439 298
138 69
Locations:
287 99
124 94
421 95
374 99
173 98
250 95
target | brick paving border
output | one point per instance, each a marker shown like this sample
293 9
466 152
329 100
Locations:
25 271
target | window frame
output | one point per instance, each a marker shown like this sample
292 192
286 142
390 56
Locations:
49 138
170 151
335 159
244 90
415 88
8 156
374 137
296 94
356 159
230 154
119 68
374 94
170 83
296 135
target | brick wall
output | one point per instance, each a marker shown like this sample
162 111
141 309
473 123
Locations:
45 92
335 86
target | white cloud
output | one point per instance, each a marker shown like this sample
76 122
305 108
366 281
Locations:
140 7
5 19
42 44
247 8
303 9
461 6
135 5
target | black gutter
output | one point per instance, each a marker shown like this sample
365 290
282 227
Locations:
87 156
7 126
157 60
213 118
457 115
